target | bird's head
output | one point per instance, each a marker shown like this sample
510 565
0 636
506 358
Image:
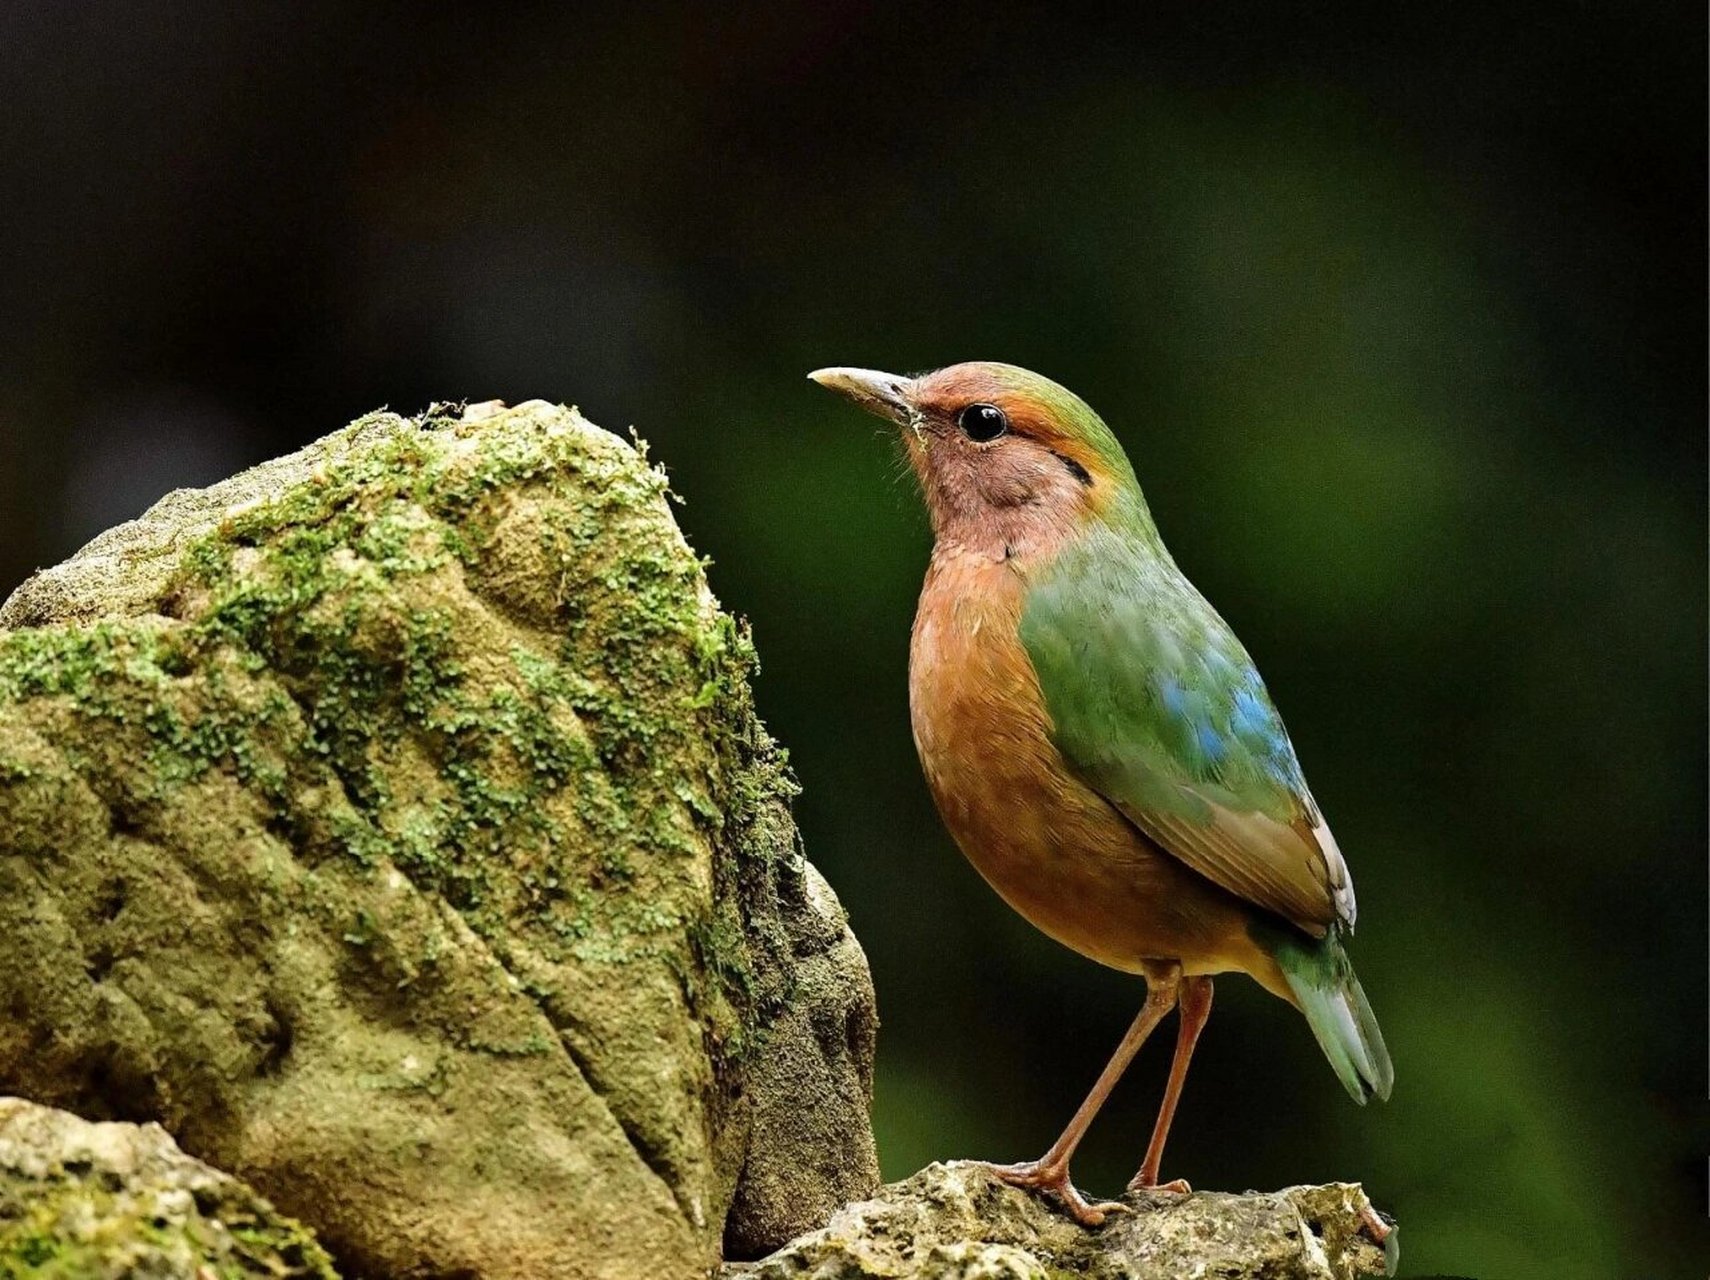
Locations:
1003 454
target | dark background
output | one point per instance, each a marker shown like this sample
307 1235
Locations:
1401 317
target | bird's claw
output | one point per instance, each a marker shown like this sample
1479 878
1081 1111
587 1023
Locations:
1031 1175
1175 1186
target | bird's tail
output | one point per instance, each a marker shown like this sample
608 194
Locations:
1322 979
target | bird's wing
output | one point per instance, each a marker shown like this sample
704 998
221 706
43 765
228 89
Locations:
1154 703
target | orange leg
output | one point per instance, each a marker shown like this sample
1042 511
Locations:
1050 1173
1196 1008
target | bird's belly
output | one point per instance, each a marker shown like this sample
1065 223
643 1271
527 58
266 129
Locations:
1073 867
1050 845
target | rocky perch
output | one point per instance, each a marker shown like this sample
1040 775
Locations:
390 824
957 1222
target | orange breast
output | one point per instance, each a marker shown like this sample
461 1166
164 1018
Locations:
1049 844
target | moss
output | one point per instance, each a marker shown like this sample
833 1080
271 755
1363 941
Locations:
296 585
70 1227
472 657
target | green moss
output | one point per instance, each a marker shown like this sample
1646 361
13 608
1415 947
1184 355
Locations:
73 1228
340 632
444 679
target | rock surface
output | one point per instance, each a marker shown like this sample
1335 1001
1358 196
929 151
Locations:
81 1201
957 1222
391 823
804 1162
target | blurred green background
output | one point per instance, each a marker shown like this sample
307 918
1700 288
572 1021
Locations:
1400 315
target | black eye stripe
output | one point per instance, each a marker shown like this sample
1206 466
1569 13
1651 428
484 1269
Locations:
1075 469
982 422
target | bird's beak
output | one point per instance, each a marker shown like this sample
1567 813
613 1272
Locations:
886 394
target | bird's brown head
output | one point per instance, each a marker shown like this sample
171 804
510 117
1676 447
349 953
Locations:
1006 458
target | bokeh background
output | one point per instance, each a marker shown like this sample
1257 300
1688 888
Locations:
1399 310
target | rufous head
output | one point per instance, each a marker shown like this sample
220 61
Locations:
1002 453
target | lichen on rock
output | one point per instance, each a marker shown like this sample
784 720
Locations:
82 1201
391 822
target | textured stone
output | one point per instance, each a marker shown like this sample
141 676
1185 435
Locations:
391 823
957 1222
81 1201
804 1161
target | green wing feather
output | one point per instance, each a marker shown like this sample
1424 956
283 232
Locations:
1154 703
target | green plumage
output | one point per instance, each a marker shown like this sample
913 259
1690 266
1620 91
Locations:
1324 986
1151 693
1156 704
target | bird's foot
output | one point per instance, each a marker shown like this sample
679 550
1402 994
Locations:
1053 1180
1175 1186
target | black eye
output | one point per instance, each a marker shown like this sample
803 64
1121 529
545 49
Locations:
982 422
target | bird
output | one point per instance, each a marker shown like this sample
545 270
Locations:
1100 745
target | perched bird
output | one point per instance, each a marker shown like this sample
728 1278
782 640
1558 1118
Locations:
1098 742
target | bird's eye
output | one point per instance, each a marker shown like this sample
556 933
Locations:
982 422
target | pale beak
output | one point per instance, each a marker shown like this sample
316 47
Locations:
888 395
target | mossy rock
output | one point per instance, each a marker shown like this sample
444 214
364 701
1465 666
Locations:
82 1201
392 824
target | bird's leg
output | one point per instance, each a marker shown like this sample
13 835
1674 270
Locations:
1195 1009
1050 1173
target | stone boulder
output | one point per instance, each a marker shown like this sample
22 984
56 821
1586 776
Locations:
391 824
82 1201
